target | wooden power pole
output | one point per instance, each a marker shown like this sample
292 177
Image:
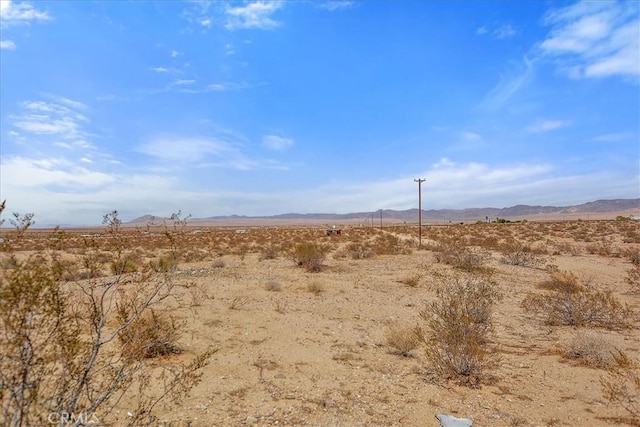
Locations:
419 181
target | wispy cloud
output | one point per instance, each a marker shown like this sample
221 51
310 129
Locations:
595 39
277 143
12 13
160 69
505 31
222 151
332 6
7 44
256 15
509 84
502 31
611 137
541 126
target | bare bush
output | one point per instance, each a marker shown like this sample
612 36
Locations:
621 385
80 346
459 328
571 303
590 349
456 254
516 253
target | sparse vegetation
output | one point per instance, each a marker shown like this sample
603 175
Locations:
80 345
571 303
459 325
308 255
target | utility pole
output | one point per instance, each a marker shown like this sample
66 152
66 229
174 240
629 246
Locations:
419 181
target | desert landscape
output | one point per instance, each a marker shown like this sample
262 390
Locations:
528 323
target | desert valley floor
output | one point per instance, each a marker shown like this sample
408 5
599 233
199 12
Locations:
302 347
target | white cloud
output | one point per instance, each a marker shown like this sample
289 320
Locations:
595 39
482 30
181 82
611 137
541 126
332 6
205 22
256 15
159 69
470 136
221 87
20 13
278 143
175 54
7 44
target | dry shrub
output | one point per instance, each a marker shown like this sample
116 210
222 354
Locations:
164 264
590 349
456 254
621 385
308 255
632 254
124 266
403 339
273 286
359 251
150 335
562 281
218 263
389 244
633 278
59 340
516 253
459 327
571 303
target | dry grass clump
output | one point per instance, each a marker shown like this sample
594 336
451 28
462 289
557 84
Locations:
632 254
459 328
238 302
403 339
273 286
571 303
315 288
590 349
621 385
150 335
411 280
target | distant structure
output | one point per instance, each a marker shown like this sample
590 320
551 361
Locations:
634 217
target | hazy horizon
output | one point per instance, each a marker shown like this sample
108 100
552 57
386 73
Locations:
260 108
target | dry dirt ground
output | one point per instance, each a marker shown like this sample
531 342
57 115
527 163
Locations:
310 348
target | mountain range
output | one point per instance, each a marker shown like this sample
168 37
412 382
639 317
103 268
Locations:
469 214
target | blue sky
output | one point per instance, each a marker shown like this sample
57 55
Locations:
266 107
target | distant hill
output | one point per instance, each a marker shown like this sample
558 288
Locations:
470 214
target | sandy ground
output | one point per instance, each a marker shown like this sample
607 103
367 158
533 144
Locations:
292 357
